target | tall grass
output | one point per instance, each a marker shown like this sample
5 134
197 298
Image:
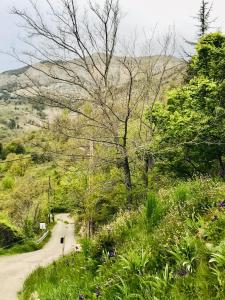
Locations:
153 210
180 256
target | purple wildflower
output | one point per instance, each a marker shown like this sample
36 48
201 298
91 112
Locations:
81 297
222 204
111 253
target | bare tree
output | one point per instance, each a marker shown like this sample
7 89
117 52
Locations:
204 18
103 92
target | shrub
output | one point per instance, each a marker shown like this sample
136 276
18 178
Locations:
28 228
40 158
86 245
7 183
181 196
15 147
112 235
185 254
196 197
135 262
8 234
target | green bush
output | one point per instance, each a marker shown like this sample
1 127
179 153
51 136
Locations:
7 183
15 147
9 234
28 228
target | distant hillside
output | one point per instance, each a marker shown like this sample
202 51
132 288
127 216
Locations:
16 71
16 112
13 82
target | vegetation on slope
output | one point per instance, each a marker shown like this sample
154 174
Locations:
172 248
170 243
142 171
8 233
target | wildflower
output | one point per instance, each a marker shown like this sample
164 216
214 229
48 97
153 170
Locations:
97 293
182 272
111 253
81 297
222 204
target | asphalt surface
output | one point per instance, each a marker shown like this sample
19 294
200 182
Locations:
14 269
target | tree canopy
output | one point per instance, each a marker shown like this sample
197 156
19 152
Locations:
191 124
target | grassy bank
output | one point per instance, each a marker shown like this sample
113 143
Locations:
27 245
171 248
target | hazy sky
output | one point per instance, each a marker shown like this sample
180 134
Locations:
139 14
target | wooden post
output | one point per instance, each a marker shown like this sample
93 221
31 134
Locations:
62 241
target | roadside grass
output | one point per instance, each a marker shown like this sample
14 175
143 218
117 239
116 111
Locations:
28 245
171 248
61 280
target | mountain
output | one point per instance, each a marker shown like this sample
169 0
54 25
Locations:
13 82
58 76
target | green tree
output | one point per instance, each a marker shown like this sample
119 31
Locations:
191 124
15 147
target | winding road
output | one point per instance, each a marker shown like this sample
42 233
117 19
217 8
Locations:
14 269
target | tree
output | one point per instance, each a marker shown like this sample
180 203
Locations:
204 18
15 147
204 22
191 124
103 92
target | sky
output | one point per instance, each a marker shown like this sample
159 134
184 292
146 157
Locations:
137 14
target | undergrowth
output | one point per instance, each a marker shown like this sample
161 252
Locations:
173 247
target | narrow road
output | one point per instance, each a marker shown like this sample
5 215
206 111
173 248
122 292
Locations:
14 269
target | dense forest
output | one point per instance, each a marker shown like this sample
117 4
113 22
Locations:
135 153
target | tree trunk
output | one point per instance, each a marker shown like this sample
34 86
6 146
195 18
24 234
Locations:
222 167
127 178
148 164
90 228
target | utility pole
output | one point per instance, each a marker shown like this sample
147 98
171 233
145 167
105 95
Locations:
90 184
49 198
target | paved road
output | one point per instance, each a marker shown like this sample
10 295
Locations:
14 269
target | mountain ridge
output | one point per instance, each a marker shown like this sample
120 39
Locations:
14 80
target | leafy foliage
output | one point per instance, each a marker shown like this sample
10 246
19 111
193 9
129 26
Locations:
191 124
168 243
9 234
168 262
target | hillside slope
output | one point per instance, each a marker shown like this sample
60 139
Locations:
16 112
13 82
173 248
